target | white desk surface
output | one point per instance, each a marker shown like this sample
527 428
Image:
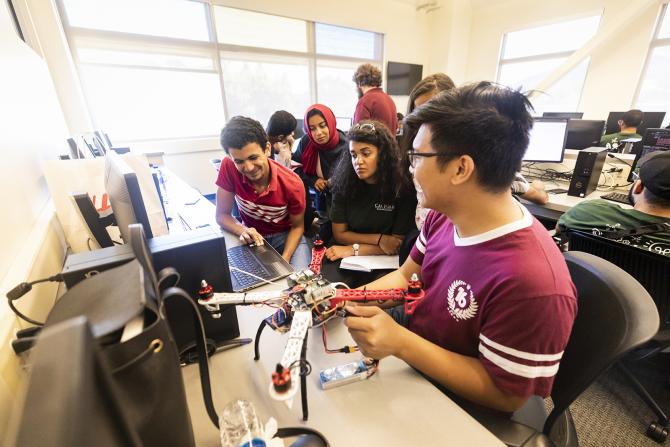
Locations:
395 407
563 202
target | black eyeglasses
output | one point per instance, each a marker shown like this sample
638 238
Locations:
412 156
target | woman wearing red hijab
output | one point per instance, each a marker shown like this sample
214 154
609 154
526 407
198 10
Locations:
319 150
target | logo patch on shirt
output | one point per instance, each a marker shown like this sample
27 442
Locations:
383 207
461 300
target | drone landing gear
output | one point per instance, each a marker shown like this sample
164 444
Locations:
257 354
305 367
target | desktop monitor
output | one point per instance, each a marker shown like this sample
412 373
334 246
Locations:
654 140
401 78
71 397
650 120
546 140
572 115
123 190
584 133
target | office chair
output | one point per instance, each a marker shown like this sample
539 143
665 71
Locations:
611 302
652 270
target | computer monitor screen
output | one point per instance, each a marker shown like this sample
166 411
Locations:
654 140
573 115
401 78
546 142
650 120
125 196
584 133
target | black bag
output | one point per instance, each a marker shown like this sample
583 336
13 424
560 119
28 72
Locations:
145 368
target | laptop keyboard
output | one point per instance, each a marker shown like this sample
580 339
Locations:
616 197
242 258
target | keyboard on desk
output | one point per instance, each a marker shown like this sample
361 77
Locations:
616 197
261 262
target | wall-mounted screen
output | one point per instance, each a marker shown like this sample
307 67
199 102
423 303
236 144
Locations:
401 78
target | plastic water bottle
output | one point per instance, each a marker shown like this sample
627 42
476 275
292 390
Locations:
239 425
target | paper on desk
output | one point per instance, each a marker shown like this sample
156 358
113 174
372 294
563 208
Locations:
370 263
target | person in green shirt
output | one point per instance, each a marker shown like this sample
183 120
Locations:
628 125
373 198
650 197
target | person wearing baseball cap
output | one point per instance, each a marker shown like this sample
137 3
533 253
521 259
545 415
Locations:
650 197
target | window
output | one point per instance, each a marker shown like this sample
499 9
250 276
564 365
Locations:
168 69
529 55
654 91
252 29
258 86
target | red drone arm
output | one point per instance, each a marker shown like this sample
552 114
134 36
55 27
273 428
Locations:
318 251
411 296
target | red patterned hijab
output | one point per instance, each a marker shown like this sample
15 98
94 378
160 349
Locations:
310 154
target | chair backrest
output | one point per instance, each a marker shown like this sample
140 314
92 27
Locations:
650 269
615 314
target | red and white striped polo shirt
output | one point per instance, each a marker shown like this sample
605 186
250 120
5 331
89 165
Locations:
268 212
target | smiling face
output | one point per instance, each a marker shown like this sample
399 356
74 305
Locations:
427 173
318 128
252 161
364 157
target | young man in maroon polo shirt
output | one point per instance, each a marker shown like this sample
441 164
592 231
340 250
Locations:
499 303
373 103
270 197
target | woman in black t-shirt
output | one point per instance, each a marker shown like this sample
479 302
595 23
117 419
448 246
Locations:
373 199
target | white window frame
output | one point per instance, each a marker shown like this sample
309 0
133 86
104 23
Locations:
656 42
544 56
213 48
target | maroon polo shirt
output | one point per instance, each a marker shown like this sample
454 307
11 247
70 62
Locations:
377 105
504 297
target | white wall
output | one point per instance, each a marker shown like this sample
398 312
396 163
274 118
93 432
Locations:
615 67
33 129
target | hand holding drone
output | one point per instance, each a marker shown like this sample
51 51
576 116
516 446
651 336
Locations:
310 300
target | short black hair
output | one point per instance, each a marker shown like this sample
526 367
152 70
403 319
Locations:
487 121
632 118
240 131
655 199
281 123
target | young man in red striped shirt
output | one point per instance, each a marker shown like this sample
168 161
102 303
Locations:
270 197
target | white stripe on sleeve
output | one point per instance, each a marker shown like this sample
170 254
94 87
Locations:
530 372
521 354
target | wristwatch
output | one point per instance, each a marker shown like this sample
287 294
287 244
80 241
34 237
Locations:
356 247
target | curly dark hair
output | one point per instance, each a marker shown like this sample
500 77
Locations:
394 180
240 131
368 75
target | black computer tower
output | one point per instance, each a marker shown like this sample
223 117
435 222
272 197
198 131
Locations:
196 255
587 171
